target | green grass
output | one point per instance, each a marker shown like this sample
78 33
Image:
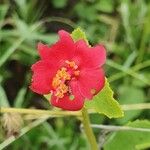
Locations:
122 26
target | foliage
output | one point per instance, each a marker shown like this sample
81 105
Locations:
105 103
138 138
122 26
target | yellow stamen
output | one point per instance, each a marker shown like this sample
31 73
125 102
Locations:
58 82
62 89
62 74
76 73
71 64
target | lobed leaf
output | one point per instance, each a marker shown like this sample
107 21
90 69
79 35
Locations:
104 103
78 34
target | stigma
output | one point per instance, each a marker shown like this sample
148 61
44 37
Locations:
61 81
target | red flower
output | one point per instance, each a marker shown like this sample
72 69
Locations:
70 71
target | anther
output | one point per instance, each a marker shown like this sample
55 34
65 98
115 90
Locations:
76 73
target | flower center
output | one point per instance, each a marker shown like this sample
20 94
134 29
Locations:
64 75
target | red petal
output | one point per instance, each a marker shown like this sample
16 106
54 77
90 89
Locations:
44 50
90 80
89 57
43 73
67 104
62 50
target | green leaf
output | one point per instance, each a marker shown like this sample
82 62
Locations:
3 12
3 98
47 97
105 6
104 103
59 3
136 96
129 140
19 100
78 34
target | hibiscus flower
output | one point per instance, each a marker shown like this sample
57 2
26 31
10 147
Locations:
71 71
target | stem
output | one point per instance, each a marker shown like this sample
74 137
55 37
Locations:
119 128
40 112
136 106
60 20
88 130
145 33
58 113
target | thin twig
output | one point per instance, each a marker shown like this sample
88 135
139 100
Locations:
88 130
139 106
118 128
61 113
40 112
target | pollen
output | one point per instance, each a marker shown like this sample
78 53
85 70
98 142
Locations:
61 90
64 75
61 75
71 64
76 73
58 82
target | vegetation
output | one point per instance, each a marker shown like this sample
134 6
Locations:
122 26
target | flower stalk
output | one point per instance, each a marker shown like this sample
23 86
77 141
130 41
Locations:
40 112
88 130
125 107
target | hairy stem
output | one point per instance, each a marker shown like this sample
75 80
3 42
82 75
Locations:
139 106
125 107
119 128
88 130
40 112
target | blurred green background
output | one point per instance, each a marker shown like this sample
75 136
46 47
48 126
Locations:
123 26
